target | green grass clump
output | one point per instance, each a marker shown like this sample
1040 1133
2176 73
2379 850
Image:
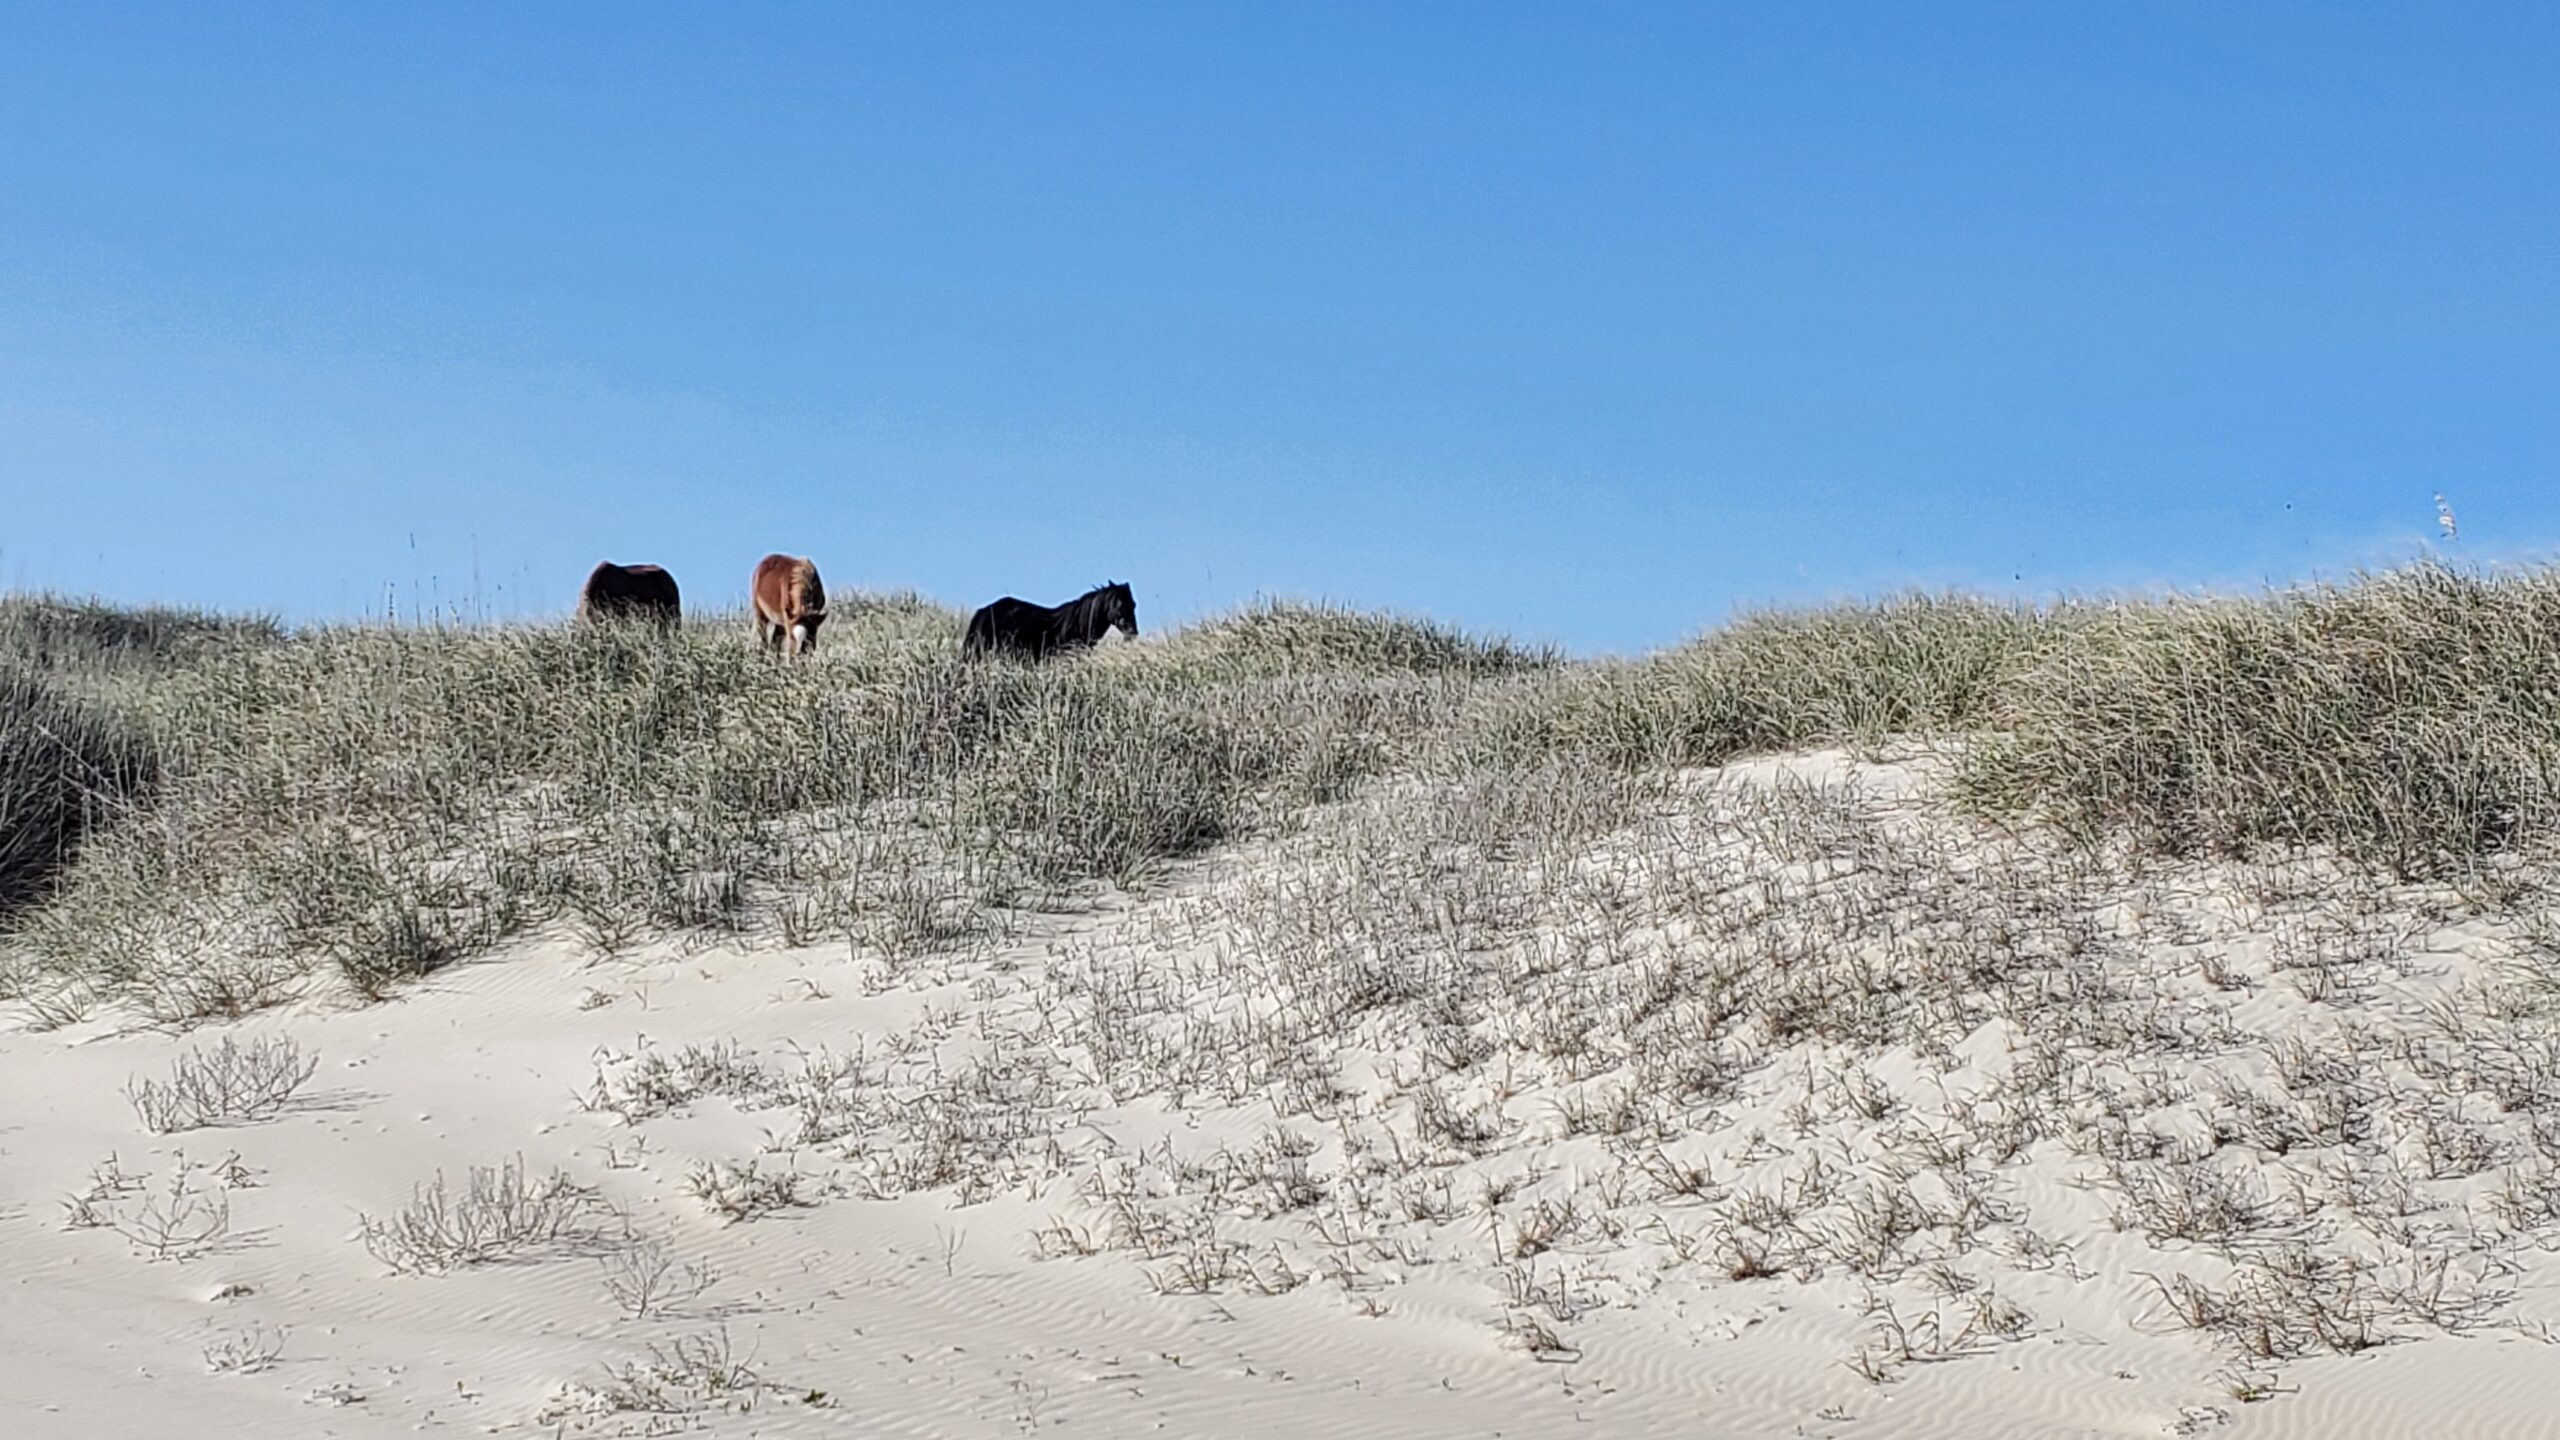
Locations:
1277 637
1916 664
2411 717
65 768
45 632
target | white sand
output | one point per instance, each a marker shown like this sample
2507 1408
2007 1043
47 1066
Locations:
921 1315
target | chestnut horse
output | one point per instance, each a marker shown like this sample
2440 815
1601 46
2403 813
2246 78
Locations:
630 592
789 602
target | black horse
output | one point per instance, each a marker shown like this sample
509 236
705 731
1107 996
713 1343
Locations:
631 592
1018 627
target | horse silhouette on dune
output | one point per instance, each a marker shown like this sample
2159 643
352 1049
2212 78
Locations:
630 592
789 602
1036 632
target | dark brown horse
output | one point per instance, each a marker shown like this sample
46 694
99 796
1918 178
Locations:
1018 627
789 602
630 592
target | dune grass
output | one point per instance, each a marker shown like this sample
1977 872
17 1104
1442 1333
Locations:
60 632
1273 637
2411 717
65 767
1505 987
1911 665
375 802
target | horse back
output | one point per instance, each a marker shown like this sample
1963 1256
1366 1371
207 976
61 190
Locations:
613 589
1006 624
787 587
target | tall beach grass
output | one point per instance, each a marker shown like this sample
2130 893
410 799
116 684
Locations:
217 810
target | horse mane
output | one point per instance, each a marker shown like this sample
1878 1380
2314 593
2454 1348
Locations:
1078 621
1081 608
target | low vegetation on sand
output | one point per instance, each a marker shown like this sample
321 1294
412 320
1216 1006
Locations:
1502 960
204 811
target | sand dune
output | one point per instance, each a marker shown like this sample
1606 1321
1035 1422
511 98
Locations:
1968 1195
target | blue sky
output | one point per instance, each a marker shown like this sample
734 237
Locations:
1591 323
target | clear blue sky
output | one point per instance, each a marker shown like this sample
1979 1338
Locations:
1590 322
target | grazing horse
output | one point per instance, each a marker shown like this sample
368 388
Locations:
630 592
789 602
1036 632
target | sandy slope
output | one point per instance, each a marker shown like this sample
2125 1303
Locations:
899 1310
